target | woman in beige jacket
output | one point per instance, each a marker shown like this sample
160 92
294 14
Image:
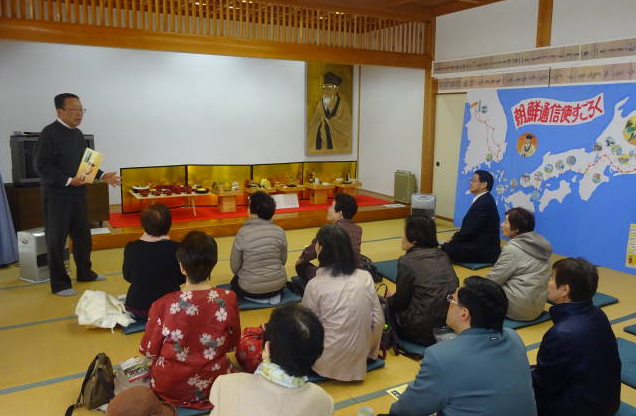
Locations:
345 300
278 387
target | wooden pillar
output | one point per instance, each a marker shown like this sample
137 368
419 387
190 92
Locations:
544 23
428 136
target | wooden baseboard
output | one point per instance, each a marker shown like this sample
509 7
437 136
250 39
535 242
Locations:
362 191
444 218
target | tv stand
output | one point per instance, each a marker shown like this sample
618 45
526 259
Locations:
25 204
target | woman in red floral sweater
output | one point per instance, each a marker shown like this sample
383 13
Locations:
190 332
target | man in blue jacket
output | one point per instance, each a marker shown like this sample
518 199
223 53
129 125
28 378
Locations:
484 371
578 371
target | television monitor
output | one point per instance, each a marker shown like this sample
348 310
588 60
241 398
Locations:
22 166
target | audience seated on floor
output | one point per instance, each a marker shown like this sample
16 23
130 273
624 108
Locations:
425 276
294 340
578 371
340 212
523 267
484 371
478 239
259 253
139 401
190 332
345 301
150 263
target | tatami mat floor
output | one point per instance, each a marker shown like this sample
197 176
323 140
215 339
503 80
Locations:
44 353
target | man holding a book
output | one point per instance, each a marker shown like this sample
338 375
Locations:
58 154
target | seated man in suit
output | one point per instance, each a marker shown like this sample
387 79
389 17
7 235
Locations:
478 239
481 372
578 371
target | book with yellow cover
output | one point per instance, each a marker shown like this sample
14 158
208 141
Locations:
91 161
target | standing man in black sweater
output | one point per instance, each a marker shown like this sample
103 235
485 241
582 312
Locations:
478 239
58 154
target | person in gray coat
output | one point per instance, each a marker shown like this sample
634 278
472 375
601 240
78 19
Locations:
523 268
425 276
259 252
484 371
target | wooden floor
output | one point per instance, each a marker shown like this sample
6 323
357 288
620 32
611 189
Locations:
44 352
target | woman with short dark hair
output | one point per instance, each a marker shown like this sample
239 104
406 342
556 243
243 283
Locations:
425 276
346 303
190 332
259 253
523 267
150 263
294 340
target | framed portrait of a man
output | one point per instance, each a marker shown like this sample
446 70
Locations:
329 95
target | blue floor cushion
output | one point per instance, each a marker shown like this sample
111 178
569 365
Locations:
137 326
287 296
411 347
631 329
510 323
626 410
388 269
599 300
371 365
184 411
475 266
627 352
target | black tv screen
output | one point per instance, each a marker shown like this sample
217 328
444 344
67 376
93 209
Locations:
22 148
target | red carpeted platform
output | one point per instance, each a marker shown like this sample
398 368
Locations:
184 214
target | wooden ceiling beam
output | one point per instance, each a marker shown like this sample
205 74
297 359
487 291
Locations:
366 10
459 5
73 34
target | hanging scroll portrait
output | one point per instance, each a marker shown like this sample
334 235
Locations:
329 97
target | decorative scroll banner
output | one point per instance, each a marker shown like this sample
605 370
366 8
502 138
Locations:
553 113
541 56
543 77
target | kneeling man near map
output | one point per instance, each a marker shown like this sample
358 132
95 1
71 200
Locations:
478 239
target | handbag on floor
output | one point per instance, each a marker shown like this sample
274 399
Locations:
367 264
389 340
250 348
98 386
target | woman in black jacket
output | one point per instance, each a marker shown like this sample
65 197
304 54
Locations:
425 276
150 263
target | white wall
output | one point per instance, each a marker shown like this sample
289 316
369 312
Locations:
583 21
159 108
505 26
391 110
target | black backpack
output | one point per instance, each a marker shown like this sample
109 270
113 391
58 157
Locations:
367 264
98 386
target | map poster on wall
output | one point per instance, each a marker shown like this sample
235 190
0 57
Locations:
566 153
630 258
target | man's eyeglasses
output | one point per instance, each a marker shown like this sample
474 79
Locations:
77 110
450 299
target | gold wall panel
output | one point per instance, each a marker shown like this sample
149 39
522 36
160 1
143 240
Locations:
328 171
153 175
204 175
279 172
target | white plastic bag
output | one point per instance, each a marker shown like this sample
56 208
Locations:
99 309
